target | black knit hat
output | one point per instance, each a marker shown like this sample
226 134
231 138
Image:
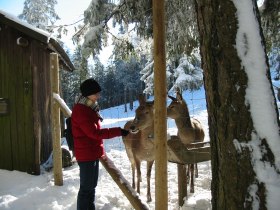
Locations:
89 87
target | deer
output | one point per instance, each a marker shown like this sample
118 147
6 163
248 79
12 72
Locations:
190 129
139 143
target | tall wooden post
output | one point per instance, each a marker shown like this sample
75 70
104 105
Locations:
55 115
161 201
182 183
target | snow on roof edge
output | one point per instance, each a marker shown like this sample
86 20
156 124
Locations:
27 25
50 40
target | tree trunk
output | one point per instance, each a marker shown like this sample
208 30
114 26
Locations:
229 117
131 99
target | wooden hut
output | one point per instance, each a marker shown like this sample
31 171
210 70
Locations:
25 94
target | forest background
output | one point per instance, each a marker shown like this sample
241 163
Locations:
126 38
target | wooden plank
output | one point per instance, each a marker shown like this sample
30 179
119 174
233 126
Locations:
42 102
123 184
17 104
37 129
32 167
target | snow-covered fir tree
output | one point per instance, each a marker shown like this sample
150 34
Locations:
188 75
134 19
40 13
81 64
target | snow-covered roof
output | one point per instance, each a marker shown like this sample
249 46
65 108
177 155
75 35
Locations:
37 34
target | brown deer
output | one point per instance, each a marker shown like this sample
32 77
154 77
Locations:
190 130
139 143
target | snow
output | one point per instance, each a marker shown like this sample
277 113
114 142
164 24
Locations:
20 190
62 104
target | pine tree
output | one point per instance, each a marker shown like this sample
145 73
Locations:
188 74
81 64
134 18
40 13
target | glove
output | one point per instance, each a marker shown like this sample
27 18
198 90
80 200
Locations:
124 132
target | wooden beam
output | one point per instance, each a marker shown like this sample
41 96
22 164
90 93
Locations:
62 105
187 154
56 134
123 184
160 126
182 183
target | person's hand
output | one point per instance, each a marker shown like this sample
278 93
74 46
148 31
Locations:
124 132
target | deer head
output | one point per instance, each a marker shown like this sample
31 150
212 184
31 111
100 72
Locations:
144 115
178 107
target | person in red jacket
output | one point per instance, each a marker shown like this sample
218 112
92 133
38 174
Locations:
88 141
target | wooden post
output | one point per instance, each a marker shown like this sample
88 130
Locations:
55 116
160 127
182 183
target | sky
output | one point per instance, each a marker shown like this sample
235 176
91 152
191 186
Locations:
19 190
69 12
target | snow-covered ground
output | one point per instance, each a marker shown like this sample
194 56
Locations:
20 190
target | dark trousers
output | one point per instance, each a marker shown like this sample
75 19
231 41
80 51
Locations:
88 182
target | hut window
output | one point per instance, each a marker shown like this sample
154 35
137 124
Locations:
22 42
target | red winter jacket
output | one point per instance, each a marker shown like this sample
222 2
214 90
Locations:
88 134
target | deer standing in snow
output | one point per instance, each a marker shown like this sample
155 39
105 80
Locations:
190 130
139 143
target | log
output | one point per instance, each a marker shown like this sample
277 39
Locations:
55 116
123 184
62 105
160 126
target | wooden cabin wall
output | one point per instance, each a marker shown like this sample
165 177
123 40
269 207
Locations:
25 132
17 150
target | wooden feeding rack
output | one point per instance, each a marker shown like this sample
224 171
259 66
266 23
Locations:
184 154
187 153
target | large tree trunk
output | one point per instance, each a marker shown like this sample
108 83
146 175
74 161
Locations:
229 117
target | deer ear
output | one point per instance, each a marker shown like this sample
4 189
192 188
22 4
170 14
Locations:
179 96
141 99
177 90
172 98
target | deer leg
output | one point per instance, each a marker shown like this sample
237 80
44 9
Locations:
139 178
192 178
133 175
196 171
149 169
188 173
